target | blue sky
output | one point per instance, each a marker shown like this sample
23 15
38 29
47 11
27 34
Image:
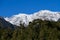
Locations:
11 7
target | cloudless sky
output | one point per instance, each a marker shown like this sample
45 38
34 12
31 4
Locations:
11 7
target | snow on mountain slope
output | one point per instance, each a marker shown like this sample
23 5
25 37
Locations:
25 18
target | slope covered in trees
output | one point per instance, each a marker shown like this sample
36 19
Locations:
36 30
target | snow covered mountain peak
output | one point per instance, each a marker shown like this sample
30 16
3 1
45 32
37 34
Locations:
25 18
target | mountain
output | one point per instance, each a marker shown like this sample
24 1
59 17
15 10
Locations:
42 25
26 18
5 24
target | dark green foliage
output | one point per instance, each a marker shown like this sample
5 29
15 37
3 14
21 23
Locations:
36 30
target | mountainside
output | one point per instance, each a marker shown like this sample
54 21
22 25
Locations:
25 18
36 30
42 25
4 23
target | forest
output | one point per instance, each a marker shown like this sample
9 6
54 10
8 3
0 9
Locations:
36 30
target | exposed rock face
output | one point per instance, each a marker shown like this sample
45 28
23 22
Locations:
5 24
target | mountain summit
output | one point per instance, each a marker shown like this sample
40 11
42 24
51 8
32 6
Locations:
26 18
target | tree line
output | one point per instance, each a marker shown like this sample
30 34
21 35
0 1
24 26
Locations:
36 30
